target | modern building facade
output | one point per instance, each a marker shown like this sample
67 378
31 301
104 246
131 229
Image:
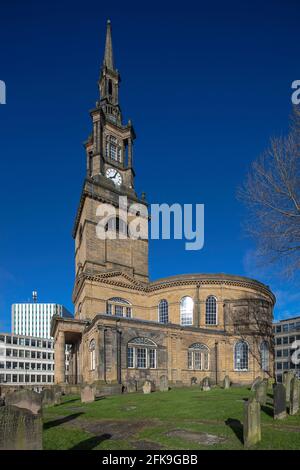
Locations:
26 360
286 332
127 327
34 319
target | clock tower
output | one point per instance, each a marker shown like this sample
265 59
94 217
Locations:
109 175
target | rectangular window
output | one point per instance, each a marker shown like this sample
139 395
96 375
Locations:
285 328
2 338
197 360
15 378
285 352
152 358
190 359
278 341
285 365
119 310
109 309
21 378
141 358
128 312
285 340
291 339
278 329
2 365
2 379
279 353
291 326
15 340
130 356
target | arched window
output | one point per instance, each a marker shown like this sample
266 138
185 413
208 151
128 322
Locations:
113 148
141 354
186 311
198 357
264 356
116 225
92 348
119 307
211 310
163 311
241 356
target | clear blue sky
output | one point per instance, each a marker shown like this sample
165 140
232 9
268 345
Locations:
205 84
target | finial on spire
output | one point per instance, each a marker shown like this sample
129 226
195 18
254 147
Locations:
108 54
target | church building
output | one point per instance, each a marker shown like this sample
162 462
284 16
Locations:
128 328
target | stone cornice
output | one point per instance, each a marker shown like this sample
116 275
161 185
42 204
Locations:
176 281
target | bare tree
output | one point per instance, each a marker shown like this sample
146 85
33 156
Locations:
272 194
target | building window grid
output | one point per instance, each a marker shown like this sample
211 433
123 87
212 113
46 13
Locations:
211 310
186 311
241 356
163 311
140 356
198 357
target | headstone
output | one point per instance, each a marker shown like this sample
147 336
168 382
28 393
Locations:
147 387
287 377
88 393
20 429
251 425
255 383
227 382
261 393
131 386
26 399
164 383
279 393
206 384
294 396
50 397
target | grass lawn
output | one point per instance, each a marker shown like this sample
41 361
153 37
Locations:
180 419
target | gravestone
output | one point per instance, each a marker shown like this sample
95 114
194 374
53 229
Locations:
226 383
88 393
50 397
287 377
255 383
131 386
294 396
261 393
206 384
20 429
164 383
251 425
147 387
26 399
279 393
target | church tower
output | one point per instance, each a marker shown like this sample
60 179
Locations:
109 175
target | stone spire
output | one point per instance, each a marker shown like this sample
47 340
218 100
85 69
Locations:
108 54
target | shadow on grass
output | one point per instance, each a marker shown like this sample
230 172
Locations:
237 427
268 410
57 422
70 401
91 443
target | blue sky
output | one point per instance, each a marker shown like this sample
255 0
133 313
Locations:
205 84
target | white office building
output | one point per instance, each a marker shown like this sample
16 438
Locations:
27 361
34 319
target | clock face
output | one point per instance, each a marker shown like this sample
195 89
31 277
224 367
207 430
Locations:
114 175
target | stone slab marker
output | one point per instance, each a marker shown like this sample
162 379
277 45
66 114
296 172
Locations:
261 393
206 384
147 387
131 386
164 383
50 397
88 393
20 429
251 425
294 396
255 383
279 401
227 382
287 377
26 399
